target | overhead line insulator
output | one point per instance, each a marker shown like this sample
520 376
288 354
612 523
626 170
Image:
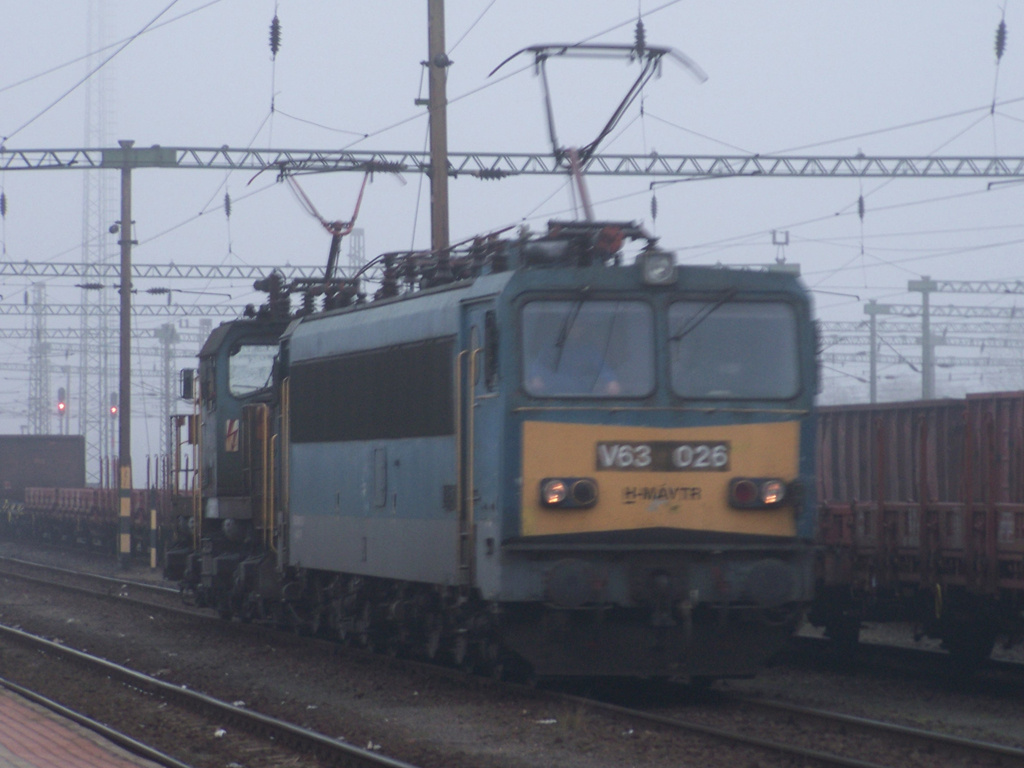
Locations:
1000 39
275 36
640 38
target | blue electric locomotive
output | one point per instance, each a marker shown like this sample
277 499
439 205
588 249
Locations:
524 454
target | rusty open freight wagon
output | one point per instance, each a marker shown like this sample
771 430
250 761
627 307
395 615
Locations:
922 519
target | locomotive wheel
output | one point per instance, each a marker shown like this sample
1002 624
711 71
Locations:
317 623
494 659
362 628
970 644
337 624
844 631
461 651
224 606
434 634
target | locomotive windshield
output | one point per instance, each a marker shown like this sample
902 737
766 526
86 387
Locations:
250 368
723 349
588 348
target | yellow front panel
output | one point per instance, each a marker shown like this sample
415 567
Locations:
630 498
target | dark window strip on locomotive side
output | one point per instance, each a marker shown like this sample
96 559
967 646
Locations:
401 391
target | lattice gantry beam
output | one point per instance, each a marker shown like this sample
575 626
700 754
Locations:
492 165
138 310
157 271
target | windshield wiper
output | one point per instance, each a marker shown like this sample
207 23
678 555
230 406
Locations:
563 332
691 325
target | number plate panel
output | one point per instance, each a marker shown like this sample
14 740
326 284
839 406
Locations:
664 456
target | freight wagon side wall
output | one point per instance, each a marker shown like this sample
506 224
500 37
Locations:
905 452
996 424
37 461
923 493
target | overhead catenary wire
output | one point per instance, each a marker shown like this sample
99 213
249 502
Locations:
87 76
471 27
494 82
90 54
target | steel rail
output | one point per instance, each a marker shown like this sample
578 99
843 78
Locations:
112 580
732 737
123 740
869 727
255 721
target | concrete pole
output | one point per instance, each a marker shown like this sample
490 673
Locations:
124 449
873 360
437 67
926 285
872 309
927 349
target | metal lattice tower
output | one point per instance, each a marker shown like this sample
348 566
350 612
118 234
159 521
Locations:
168 336
356 249
97 352
39 395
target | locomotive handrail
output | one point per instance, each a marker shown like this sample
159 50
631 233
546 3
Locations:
458 431
265 469
466 538
670 408
286 442
268 520
197 479
525 545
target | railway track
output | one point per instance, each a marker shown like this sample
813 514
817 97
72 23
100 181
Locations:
222 733
781 731
123 587
993 676
113 735
807 735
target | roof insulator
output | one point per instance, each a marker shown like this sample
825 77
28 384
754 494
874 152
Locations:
275 36
227 205
1000 39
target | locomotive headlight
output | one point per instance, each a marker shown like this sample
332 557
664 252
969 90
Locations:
553 492
568 492
773 491
743 492
756 492
659 267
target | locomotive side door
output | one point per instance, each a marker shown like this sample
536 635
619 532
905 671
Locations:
479 442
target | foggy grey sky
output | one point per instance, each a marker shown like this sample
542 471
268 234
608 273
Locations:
783 77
